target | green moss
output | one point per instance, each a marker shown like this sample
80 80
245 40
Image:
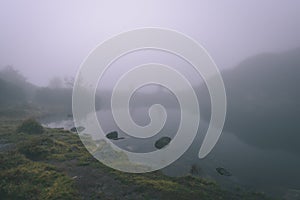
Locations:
161 184
25 179
12 159
62 188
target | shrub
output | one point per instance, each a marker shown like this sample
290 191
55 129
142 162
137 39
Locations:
31 126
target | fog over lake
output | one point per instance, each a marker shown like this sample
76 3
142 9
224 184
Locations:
260 141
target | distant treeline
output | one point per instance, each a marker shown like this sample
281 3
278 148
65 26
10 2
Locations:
15 90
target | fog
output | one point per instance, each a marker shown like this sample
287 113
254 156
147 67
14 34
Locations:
51 38
256 45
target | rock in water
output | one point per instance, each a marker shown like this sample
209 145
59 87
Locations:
223 171
162 142
112 135
119 138
77 129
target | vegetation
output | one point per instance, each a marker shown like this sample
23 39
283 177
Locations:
25 179
17 94
30 126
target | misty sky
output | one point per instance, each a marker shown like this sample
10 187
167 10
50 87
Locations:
43 39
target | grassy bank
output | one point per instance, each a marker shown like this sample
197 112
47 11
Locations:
53 164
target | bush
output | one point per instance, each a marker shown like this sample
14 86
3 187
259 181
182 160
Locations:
31 126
